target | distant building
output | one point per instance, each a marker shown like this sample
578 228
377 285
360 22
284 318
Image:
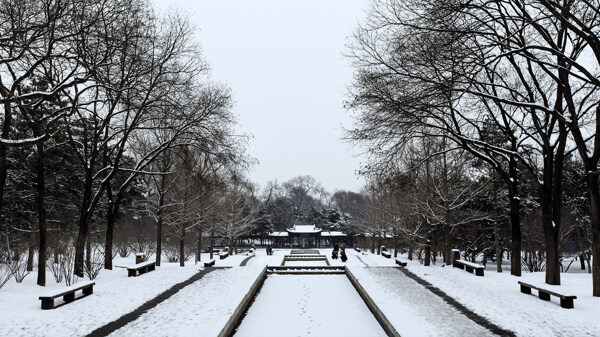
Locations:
307 236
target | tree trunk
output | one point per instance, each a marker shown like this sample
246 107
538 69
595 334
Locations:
548 224
6 127
594 191
410 252
515 234
182 250
498 248
372 244
88 254
199 251
31 246
582 261
84 224
41 214
111 218
395 244
159 222
427 260
212 243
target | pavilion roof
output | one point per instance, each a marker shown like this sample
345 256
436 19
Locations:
335 233
304 229
278 234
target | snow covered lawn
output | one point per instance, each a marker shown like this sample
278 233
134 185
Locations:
203 307
114 295
497 297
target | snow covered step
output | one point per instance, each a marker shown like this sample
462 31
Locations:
306 270
304 251
296 257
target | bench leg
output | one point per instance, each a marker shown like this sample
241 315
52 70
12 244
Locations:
48 304
543 295
525 289
566 303
69 297
143 270
469 269
88 290
479 272
131 272
151 267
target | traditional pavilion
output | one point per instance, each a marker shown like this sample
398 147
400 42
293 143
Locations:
306 236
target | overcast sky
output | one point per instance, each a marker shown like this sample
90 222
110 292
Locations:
283 61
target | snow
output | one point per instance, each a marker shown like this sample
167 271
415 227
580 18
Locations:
305 263
470 264
208 304
79 285
114 294
203 307
330 233
497 297
422 313
308 305
304 229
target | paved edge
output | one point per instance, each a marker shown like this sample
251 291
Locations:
245 261
464 310
383 321
113 326
241 310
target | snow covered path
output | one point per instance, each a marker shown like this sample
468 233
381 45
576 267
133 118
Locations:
411 308
200 309
308 305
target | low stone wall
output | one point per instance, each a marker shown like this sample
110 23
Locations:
239 312
385 323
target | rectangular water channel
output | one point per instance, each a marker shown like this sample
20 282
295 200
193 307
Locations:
308 305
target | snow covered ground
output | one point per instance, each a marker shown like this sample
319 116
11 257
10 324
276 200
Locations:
308 305
202 308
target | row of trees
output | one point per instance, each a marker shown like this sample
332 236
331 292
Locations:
506 90
103 103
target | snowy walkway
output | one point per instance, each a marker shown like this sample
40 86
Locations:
413 309
308 305
130 317
200 309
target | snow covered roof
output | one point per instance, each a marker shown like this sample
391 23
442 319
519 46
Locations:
304 229
278 234
333 234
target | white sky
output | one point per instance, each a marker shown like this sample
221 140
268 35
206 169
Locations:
283 60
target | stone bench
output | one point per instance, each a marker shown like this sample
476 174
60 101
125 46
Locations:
223 255
141 268
210 263
386 254
566 301
400 263
469 266
68 294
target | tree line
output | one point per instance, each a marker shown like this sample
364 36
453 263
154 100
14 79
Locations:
459 99
103 103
